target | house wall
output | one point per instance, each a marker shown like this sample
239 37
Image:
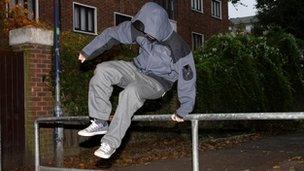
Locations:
105 11
37 95
188 21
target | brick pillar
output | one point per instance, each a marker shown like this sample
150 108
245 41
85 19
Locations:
36 45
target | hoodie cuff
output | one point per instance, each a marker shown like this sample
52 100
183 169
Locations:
181 115
85 55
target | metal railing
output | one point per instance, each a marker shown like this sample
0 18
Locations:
194 118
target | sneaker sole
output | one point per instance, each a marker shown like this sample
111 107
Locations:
102 155
91 134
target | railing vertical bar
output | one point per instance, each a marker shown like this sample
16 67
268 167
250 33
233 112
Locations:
195 152
37 157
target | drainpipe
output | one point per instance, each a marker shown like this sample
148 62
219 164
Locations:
58 132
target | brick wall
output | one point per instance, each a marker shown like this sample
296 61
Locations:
188 21
105 11
38 94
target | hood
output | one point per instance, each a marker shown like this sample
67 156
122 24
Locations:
155 20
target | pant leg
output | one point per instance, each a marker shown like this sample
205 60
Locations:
107 74
130 100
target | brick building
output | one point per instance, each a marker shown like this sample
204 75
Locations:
194 20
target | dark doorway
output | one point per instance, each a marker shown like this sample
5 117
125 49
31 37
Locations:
12 109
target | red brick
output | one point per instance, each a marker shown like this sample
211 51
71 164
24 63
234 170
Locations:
188 21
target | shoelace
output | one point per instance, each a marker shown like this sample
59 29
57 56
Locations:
105 147
93 126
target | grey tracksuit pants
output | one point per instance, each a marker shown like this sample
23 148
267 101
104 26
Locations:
137 88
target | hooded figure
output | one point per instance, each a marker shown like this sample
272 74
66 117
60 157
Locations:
163 59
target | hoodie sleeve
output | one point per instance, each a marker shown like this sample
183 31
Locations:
186 86
108 38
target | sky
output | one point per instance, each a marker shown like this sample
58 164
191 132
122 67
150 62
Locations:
241 10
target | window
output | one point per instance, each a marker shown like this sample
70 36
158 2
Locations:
119 18
170 6
216 7
197 40
29 5
84 19
197 5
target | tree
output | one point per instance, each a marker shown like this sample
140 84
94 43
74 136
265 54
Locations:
288 14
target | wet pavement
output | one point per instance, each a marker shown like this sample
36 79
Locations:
277 153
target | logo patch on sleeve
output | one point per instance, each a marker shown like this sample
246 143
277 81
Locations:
187 73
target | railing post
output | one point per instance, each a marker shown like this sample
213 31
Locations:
195 152
37 157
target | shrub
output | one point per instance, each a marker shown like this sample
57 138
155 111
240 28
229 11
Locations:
291 56
75 77
235 74
238 74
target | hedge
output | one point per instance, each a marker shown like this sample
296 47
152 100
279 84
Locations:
236 73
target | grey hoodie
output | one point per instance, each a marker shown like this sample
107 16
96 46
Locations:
167 59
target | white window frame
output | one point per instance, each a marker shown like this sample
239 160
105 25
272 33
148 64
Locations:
95 18
173 24
118 13
192 38
37 10
220 17
202 6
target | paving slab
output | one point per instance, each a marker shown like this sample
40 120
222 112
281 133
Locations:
280 152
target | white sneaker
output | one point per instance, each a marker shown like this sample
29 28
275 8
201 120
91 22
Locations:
105 151
94 129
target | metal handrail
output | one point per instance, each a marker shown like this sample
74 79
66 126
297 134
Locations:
194 118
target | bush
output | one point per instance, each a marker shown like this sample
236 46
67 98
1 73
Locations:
239 74
75 77
235 74
291 56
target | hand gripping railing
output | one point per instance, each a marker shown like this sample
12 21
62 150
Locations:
194 118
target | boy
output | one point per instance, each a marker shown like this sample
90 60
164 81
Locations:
163 58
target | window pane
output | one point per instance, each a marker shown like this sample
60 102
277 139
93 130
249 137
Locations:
82 19
197 41
200 5
213 8
192 4
218 9
76 17
90 20
121 18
